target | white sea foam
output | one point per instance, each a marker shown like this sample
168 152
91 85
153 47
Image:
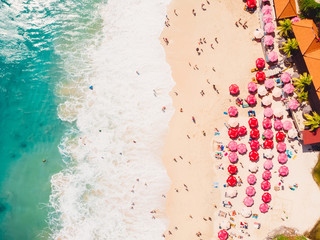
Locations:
93 198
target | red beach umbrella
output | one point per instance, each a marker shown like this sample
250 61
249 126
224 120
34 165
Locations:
223 235
253 155
232 169
254 133
251 99
242 131
233 111
233 157
281 147
280 136
248 201
233 132
250 191
266 197
254 144
283 171
260 63
268 134
251 179
251 3
265 185
268 144
253 122
264 208
282 158
234 89
266 175
267 123
260 76
232 181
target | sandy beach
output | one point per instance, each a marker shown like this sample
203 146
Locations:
225 55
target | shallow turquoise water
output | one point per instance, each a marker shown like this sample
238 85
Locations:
31 67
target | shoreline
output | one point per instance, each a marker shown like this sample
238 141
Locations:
202 93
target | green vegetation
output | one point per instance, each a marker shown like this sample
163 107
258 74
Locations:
285 27
315 232
303 82
302 96
312 120
290 46
282 237
316 175
310 9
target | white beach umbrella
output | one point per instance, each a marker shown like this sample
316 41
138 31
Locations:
292 133
278 112
266 101
233 122
268 153
246 212
225 225
253 167
277 92
258 33
231 192
262 91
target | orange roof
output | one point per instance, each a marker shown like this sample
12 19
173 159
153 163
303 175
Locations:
311 137
306 34
285 8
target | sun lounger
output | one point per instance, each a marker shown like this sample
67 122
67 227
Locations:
273 71
226 204
251 113
255 216
257 225
216 184
222 214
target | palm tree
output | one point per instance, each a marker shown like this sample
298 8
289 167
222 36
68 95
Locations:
285 27
302 96
290 46
302 82
312 121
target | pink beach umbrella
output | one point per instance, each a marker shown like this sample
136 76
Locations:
269 83
287 125
264 208
251 179
268 112
273 56
266 175
283 171
248 201
250 191
251 99
242 148
295 19
232 146
242 131
234 89
268 134
268 40
293 104
285 77
281 147
268 164
254 144
252 87
233 157
282 158
266 123
277 92
233 111
288 88
266 197
269 28
266 9
277 125
265 185
267 18
223 235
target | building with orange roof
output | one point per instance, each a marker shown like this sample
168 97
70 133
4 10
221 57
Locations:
307 36
285 8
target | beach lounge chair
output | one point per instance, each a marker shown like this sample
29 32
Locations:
257 225
226 204
279 83
251 113
245 104
239 102
244 225
222 214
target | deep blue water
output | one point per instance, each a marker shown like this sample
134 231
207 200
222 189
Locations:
32 65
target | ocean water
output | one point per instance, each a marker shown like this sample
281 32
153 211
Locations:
104 172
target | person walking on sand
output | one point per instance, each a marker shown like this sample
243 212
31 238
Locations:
216 39
194 12
175 12
193 119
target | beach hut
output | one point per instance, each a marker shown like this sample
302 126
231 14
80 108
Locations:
251 179
285 8
253 156
283 171
248 201
265 185
250 191
266 197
